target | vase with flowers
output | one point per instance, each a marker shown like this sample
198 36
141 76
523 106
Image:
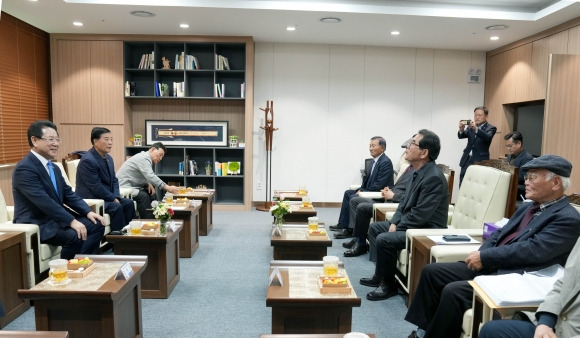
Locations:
279 209
163 213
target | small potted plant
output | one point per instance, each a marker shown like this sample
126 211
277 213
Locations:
137 139
233 141
208 168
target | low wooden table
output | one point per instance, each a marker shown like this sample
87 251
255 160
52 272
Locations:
484 309
298 306
14 272
94 306
35 334
189 236
299 214
380 215
421 256
160 278
295 244
206 211
289 195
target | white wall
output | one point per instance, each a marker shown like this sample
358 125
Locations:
329 100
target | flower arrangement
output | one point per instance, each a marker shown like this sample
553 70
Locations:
163 213
279 209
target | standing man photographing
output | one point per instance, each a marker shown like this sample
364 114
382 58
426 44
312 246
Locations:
479 134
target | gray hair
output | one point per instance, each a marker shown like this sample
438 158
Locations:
565 180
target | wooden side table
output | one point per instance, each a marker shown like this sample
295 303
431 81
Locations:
14 272
189 236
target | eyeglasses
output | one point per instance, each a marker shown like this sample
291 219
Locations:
530 177
509 146
51 140
413 144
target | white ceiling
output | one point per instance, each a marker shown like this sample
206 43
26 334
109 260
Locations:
442 24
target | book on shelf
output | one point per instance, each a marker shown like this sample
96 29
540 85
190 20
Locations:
152 65
147 61
178 89
513 289
219 90
243 90
221 62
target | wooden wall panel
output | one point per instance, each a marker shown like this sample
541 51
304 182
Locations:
107 82
574 40
522 73
541 50
562 113
6 182
71 82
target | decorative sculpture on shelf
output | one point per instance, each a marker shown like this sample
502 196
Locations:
165 63
269 131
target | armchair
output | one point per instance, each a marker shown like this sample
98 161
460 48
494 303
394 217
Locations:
37 254
482 198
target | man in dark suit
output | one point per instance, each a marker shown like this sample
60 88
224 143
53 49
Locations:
518 156
380 176
361 210
40 195
425 205
96 179
541 233
479 134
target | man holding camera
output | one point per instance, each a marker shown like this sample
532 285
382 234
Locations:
479 134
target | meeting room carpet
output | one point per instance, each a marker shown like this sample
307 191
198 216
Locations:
222 290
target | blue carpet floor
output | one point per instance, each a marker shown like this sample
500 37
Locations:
222 290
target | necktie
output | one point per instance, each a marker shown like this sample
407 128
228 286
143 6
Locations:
52 177
523 224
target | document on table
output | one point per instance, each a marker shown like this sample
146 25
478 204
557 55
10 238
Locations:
439 240
513 289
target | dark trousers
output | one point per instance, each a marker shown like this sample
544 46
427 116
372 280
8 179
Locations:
67 237
364 212
507 329
344 209
442 296
120 213
387 245
143 200
354 203
464 168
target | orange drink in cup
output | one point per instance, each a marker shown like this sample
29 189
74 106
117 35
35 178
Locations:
312 223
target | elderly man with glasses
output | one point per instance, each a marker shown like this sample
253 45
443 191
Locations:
425 205
541 233
40 195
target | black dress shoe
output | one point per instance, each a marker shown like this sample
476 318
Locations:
373 281
346 233
337 227
357 250
384 291
349 244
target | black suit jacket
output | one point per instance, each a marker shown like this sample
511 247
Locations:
400 186
426 201
477 143
522 158
382 175
36 201
96 177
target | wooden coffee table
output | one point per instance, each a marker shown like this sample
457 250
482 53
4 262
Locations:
298 306
162 274
189 236
295 244
94 306
206 211
14 272
289 195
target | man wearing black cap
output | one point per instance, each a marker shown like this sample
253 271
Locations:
361 211
541 233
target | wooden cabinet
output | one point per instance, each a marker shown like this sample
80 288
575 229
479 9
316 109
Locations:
229 188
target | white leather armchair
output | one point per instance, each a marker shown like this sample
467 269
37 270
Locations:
37 254
482 198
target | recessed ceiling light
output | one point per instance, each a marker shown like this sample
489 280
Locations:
143 14
395 33
184 25
77 23
493 38
497 27
330 20
291 28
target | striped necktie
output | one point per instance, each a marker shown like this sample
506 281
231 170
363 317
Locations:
52 177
